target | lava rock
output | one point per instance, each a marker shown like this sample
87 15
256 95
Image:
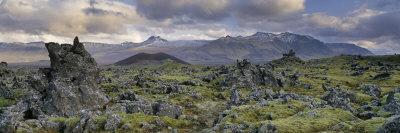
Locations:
267 128
372 90
391 125
392 103
366 115
382 76
113 122
164 109
72 80
129 95
338 98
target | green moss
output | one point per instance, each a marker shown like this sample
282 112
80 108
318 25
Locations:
175 77
70 122
101 120
176 123
363 98
57 119
313 120
6 102
369 126
256 113
135 120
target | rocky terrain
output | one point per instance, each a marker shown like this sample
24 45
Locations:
338 94
258 48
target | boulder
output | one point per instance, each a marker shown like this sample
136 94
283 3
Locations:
235 97
164 109
392 103
338 98
72 81
113 122
64 90
267 128
129 95
372 90
391 125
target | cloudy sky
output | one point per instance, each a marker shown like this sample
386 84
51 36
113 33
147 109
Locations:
373 24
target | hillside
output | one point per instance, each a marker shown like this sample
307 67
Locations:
152 58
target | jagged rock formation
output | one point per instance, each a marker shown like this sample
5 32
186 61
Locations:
72 83
65 89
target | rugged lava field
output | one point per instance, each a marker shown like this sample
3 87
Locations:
339 94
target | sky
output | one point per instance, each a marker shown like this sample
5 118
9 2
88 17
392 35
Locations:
372 24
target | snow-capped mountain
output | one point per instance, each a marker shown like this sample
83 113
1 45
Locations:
262 47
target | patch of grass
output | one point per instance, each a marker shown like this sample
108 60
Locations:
316 120
134 120
363 98
70 122
6 102
256 113
369 126
175 77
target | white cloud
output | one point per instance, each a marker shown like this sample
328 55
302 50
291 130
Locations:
66 17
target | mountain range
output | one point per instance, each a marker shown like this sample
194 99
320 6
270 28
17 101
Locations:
259 47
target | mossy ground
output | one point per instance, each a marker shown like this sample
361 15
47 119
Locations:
204 102
288 117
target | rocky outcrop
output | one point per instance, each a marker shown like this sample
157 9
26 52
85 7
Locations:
372 90
267 128
392 125
392 103
72 80
66 89
338 98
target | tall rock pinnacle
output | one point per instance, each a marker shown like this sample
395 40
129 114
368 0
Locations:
72 80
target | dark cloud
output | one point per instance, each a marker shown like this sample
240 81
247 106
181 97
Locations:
387 5
215 10
386 24
194 9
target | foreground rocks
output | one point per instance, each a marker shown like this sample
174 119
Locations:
72 81
392 125
65 89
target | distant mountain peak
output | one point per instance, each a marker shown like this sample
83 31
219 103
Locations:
263 34
155 39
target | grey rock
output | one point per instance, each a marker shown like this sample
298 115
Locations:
129 95
164 109
267 128
391 125
366 115
113 122
338 98
382 76
235 97
72 80
372 90
392 103
139 106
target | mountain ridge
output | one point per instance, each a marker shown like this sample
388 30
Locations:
259 47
